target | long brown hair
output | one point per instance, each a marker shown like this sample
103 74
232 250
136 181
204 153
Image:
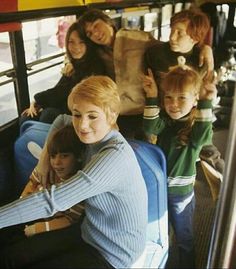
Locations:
65 140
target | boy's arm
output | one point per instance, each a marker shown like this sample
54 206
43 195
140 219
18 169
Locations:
206 58
32 186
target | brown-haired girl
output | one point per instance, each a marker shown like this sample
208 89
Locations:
83 61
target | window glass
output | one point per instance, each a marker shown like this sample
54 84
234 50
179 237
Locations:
165 22
45 38
44 80
5 52
150 23
8 108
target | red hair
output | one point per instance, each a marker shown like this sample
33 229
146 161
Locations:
198 23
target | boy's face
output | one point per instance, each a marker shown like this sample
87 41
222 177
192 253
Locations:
100 32
179 104
76 46
64 164
180 41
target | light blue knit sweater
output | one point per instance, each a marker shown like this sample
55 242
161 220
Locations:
116 200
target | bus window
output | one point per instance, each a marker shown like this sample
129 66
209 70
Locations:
165 22
44 39
8 108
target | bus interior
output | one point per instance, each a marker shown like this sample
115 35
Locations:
32 53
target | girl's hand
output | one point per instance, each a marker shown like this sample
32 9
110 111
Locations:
68 70
206 57
149 84
32 111
208 91
43 170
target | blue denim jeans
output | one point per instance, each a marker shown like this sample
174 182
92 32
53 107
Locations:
181 212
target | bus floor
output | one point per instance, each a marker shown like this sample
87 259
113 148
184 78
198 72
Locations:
204 213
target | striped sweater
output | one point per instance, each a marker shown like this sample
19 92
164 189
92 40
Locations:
181 160
115 200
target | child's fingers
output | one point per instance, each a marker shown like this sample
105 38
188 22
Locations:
150 73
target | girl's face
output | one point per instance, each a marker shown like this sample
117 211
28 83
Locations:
178 104
90 122
100 32
64 164
76 46
180 41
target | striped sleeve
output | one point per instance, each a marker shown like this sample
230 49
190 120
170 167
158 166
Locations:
202 129
151 110
204 111
152 122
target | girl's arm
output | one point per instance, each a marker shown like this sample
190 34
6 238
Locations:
152 123
202 131
149 85
56 96
208 91
32 111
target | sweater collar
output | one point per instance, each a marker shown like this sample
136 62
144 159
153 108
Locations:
113 134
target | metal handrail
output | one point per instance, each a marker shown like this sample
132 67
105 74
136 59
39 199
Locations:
39 61
44 68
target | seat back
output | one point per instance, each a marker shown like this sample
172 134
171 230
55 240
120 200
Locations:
24 160
153 166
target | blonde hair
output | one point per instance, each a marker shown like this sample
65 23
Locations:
180 79
101 91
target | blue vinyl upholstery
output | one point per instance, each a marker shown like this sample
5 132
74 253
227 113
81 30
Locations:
30 131
153 166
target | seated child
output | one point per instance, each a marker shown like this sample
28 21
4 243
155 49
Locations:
64 150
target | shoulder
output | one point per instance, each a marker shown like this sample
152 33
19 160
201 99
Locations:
134 34
61 121
156 47
115 142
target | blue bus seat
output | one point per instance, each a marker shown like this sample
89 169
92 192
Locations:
24 161
153 166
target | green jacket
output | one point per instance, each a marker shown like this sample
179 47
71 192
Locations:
181 160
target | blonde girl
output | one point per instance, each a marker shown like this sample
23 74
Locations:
113 231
